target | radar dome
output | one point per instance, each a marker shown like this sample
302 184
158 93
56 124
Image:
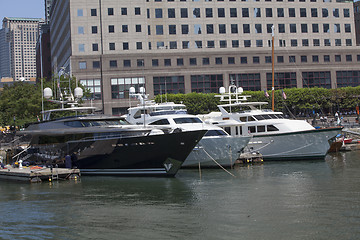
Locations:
78 92
132 90
48 93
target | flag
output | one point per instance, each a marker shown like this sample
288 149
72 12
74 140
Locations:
266 93
283 94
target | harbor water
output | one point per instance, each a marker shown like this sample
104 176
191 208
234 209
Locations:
274 200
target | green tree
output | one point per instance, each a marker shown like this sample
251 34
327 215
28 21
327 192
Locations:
22 101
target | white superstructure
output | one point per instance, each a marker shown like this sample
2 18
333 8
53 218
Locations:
216 147
274 136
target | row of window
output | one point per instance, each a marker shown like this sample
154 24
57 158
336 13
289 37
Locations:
245 12
197 29
221 12
221 44
210 83
239 0
219 61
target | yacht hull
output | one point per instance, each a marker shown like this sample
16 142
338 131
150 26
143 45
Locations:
215 151
153 155
310 144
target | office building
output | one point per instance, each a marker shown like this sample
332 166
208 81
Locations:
182 46
18 43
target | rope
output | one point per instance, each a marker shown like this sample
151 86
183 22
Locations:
218 164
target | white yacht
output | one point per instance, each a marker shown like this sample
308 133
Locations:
274 136
217 147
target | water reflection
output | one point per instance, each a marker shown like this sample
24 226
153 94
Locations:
280 200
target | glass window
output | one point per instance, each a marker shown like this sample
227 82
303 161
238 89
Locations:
246 28
291 12
80 13
210 44
268 12
80 30
233 12
184 29
222 28
221 12
172 29
206 83
82 65
171 13
159 30
245 12
158 13
183 12
196 12
81 47
257 13
209 12
302 12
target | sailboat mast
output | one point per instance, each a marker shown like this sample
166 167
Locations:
273 62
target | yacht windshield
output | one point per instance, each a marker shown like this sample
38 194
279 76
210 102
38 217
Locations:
215 133
187 120
95 123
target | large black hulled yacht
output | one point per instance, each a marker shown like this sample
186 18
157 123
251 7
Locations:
107 145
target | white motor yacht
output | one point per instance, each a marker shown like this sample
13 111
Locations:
274 136
216 147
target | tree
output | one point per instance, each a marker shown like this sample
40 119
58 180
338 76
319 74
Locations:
22 101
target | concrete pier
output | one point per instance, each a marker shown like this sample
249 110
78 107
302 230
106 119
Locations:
38 174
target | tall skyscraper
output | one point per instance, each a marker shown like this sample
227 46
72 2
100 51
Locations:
18 38
5 55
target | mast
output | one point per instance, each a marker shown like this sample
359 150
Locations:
272 61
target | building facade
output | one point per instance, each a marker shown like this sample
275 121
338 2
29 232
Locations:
182 46
5 71
20 38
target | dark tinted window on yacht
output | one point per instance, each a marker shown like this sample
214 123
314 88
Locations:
243 119
280 115
73 124
271 128
227 129
215 133
252 129
259 117
187 120
273 116
260 129
160 122
251 118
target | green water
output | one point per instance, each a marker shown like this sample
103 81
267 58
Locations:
277 200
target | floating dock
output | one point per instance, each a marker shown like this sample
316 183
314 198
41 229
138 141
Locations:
38 174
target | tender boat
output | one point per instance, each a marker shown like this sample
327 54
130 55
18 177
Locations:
274 136
216 148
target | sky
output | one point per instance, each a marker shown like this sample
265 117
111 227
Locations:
22 8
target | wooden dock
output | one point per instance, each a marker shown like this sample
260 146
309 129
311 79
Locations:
38 174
